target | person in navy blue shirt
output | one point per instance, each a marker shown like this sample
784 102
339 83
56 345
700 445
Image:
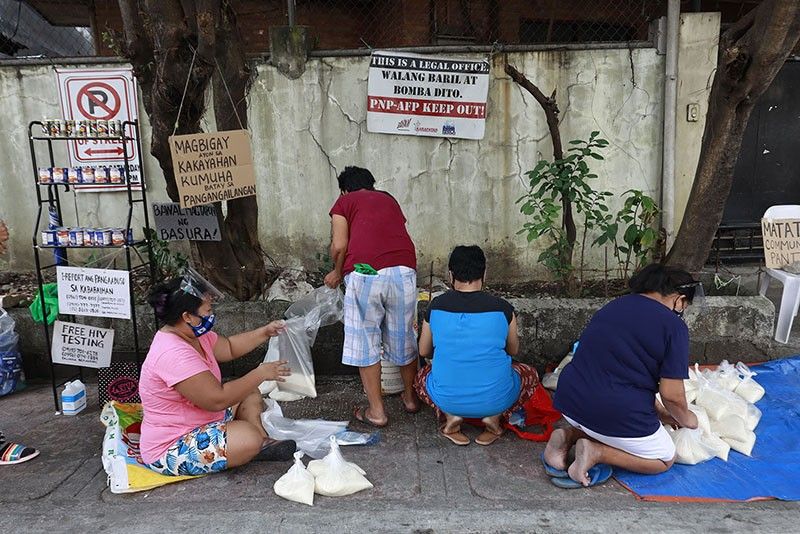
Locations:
634 347
472 336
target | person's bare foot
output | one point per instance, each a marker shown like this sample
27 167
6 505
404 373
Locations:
412 406
557 449
587 453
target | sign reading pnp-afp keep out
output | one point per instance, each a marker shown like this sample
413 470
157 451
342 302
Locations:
412 94
213 167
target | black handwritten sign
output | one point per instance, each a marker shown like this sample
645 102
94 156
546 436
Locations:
94 292
194 224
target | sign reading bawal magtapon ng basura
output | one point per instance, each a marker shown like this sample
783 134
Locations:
412 94
213 167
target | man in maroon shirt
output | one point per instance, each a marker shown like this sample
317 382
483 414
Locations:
368 226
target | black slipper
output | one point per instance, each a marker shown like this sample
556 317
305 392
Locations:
360 414
277 451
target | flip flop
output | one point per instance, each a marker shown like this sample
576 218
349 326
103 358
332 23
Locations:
457 437
597 475
552 471
360 414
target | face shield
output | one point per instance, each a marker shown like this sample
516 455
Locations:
695 295
194 284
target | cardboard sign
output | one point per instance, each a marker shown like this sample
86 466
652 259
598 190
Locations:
781 241
213 167
94 292
199 223
412 94
101 94
85 346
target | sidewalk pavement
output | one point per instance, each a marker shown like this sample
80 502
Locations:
423 483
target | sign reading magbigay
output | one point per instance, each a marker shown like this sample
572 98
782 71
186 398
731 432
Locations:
212 167
412 94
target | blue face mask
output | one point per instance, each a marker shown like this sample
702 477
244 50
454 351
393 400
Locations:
205 326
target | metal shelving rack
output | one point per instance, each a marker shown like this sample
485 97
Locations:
52 199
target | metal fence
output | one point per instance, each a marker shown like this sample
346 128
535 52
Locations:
64 28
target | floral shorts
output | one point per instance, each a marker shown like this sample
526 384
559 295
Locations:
199 452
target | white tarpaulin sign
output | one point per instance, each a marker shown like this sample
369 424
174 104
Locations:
94 292
78 344
198 223
101 94
412 94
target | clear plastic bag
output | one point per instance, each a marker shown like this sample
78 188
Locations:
717 401
12 377
297 484
311 435
727 376
733 430
748 389
336 477
322 307
691 446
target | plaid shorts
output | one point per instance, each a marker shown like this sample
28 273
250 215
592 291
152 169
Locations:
379 313
199 452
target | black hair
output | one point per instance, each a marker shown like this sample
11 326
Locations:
467 263
355 178
665 280
169 301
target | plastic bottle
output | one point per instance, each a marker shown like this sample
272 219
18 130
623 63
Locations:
73 398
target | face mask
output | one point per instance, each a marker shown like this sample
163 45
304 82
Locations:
205 326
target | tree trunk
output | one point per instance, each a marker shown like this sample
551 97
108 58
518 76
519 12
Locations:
751 52
551 112
237 260
175 47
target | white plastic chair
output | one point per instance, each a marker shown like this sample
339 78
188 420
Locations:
790 299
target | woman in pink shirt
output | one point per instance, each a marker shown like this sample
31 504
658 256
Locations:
193 423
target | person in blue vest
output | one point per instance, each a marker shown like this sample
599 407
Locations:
634 347
472 337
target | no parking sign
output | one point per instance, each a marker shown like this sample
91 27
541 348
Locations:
100 94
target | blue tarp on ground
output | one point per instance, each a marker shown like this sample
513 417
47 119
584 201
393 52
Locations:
772 472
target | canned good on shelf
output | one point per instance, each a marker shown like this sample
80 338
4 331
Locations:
115 128
54 127
87 175
45 175
69 128
117 236
102 128
92 127
101 175
88 237
59 175
102 237
49 238
82 128
76 237
115 173
74 175
62 237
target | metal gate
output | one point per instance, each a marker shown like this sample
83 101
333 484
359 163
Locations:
767 171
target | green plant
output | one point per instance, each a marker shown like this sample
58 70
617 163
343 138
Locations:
640 239
167 262
555 188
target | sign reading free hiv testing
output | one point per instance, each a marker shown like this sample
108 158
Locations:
413 94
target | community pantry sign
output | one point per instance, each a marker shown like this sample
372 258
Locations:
412 94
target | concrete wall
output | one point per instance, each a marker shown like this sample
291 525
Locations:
452 191
697 59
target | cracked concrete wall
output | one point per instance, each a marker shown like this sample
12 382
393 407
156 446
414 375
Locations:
452 191
697 60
